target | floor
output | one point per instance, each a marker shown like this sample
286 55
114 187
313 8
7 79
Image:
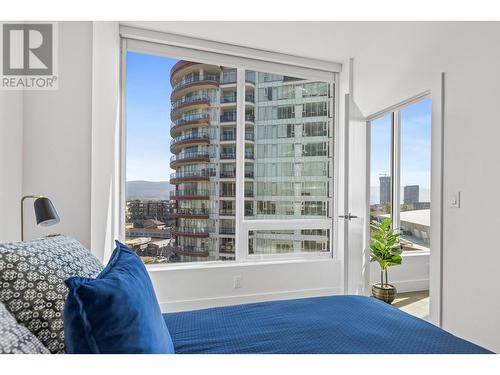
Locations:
414 303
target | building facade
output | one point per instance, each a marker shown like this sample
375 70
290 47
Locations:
411 194
385 189
288 159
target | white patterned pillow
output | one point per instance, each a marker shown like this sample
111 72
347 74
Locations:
17 339
32 285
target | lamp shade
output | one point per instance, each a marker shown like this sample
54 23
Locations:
45 212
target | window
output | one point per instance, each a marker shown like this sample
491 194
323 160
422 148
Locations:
184 123
400 172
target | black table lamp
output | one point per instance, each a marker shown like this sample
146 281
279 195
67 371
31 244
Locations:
45 212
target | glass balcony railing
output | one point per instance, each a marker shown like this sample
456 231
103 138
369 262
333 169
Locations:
187 174
228 155
189 193
190 100
226 230
231 117
190 136
248 193
249 174
228 137
248 154
228 193
189 80
228 174
190 118
192 211
190 155
232 98
194 230
227 211
191 249
228 117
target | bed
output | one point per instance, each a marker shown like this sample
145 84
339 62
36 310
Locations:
334 324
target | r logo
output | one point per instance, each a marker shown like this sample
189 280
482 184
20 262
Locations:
27 49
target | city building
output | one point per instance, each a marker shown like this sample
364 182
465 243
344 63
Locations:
411 194
385 189
288 156
139 211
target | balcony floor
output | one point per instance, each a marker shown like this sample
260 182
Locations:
413 303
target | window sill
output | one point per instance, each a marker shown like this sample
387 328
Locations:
232 264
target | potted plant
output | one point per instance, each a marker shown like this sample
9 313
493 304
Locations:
385 248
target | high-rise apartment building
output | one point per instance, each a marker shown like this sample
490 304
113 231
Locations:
385 189
288 159
411 194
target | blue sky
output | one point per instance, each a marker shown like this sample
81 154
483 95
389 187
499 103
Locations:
148 117
415 146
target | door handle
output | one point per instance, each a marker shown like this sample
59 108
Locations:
348 216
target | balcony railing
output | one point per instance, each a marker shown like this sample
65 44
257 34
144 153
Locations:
248 193
202 173
187 81
192 211
190 155
228 155
228 117
190 100
228 193
248 212
226 230
228 174
190 118
191 249
232 137
233 98
227 211
190 136
249 174
193 230
231 117
189 193
248 154
231 77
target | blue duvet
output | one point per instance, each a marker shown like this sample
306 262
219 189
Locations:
336 324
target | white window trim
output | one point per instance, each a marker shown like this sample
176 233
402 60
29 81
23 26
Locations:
186 48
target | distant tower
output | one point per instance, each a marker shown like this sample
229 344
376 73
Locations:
385 189
411 194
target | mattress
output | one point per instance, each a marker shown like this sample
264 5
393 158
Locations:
334 324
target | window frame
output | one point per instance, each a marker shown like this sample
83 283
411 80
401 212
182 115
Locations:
395 113
143 41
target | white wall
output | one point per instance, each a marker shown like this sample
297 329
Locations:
57 138
11 164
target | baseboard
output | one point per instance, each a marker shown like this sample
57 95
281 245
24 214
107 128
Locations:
201 303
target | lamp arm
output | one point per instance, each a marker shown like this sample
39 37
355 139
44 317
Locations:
22 211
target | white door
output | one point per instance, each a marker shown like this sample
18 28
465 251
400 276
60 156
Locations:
354 217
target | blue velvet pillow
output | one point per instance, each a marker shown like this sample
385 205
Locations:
117 312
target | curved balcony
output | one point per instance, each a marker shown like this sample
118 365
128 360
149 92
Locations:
189 194
192 121
189 139
191 176
186 231
187 85
189 103
191 213
178 66
189 158
192 251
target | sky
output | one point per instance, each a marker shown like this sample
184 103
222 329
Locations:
148 117
415 146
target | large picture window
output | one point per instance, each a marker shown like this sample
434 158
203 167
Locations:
213 153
